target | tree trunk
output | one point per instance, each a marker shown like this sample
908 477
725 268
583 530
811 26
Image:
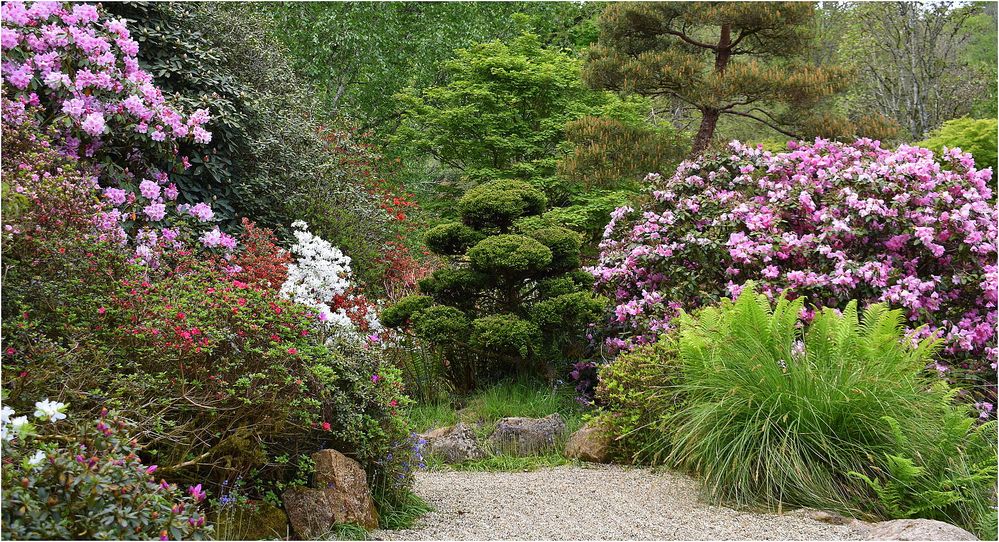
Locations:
709 118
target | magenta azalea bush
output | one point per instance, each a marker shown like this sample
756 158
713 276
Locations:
829 221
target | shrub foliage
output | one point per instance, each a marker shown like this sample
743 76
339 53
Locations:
512 301
829 221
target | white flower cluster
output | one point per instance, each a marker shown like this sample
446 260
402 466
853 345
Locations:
18 427
45 410
320 272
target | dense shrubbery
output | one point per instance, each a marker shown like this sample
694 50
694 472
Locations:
179 345
512 301
67 480
828 221
637 395
769 412
230 360
275 156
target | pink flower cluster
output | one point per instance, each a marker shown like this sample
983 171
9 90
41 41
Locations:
70 66
829 221
86 71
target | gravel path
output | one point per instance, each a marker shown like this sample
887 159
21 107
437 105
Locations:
592 502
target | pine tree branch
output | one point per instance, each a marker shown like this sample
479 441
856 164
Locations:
690 40
763 121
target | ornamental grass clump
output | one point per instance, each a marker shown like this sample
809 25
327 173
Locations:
828 221
777 414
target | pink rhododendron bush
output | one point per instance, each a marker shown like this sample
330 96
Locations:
829 221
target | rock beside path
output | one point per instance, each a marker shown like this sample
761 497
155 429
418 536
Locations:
916 529
590 443
453 444
341 495
347 484
527 436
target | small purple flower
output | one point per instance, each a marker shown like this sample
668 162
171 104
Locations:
196 492
155 211
115 195
202 211
171 192
94 124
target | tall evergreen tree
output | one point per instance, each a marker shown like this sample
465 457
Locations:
723 58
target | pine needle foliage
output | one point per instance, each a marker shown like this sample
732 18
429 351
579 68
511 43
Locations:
744 59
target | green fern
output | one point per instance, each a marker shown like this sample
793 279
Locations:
953 480
902 494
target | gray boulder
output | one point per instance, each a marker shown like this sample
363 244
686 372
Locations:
527 436
916 529
453 444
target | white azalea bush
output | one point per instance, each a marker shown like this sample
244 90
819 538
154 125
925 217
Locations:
64 480
321 278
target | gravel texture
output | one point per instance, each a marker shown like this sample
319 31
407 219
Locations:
591 502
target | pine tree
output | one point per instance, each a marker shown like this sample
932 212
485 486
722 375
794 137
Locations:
722 58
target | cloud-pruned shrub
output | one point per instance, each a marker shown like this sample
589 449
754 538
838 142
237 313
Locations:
508 304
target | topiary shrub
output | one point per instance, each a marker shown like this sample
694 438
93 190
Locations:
515 301
497 204
399 314
829 221
510 256
974 136
505 335
564 245
451 239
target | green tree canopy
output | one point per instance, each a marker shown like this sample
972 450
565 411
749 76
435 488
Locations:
362 53
502 112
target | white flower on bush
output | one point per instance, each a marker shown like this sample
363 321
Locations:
50 410
320 272
371 317
5 414
12 427
36 459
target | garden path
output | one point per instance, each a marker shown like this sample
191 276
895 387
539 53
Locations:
591 502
